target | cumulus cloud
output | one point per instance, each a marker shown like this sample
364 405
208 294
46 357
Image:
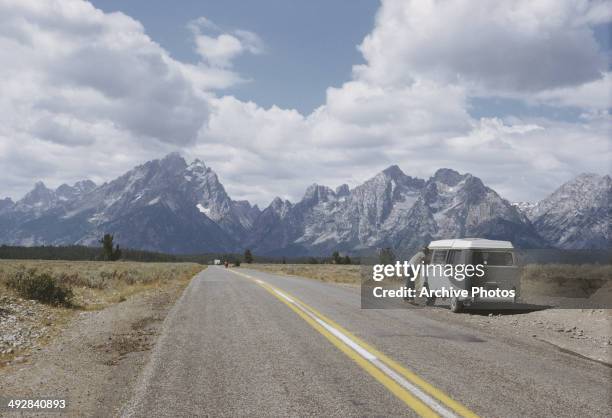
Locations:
68 60
89 94
408 103
218 48
80 84
594 95
518 45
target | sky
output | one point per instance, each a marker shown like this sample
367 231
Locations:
275 95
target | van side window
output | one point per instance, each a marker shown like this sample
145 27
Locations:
439 257
492 258
454 257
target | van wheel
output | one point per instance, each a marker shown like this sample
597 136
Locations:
430 300
456 305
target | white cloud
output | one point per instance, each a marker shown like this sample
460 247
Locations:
89 94
217 48
591 95
520 45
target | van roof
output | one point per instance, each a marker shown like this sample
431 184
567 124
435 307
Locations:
465 243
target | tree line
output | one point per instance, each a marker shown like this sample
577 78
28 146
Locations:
110 251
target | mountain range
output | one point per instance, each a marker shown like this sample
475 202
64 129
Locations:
171 206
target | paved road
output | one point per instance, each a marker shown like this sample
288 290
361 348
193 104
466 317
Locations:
247 343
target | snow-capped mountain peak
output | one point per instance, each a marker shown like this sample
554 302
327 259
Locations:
578 214
172 206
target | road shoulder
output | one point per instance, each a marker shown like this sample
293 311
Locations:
95 361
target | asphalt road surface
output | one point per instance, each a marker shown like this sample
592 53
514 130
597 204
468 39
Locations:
245 343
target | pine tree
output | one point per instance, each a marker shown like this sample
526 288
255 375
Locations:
386 256
248 257
336 259
108 252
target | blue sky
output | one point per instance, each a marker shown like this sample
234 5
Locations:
311 45
275 95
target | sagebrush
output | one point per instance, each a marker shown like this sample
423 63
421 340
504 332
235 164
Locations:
31 284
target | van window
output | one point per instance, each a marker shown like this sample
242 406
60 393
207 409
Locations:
454 257
492 258
439 257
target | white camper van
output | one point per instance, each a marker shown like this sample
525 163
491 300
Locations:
499 281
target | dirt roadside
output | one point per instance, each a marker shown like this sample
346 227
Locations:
96 360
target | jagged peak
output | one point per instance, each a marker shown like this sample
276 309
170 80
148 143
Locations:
40 185
81 186
85 185
174 160
277 201
449 176
343 190
394 171
280 206
40 193
317 192
174 155
64 187
197 163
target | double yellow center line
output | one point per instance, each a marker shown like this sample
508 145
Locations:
419 395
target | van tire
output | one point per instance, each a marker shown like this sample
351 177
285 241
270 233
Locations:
456 305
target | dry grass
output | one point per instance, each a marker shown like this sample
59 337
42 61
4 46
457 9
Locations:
565 279
98 284
333 273
577 279
567 272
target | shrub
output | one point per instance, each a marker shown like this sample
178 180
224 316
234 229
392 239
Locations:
40 286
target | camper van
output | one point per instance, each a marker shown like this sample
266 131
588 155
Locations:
495 278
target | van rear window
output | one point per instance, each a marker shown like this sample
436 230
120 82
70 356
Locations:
492 258
439 257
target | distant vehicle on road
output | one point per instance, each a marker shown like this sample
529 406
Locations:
217 262
497 259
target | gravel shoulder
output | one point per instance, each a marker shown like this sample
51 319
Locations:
95 360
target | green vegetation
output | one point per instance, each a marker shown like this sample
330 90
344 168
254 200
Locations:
79 253
30 284
338 259
83 253
248 256
108 252
92 284
386 256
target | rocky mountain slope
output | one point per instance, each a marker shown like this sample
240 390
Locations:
163 205
171 206
393 209
577 215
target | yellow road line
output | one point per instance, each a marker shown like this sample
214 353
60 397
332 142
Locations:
402 382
